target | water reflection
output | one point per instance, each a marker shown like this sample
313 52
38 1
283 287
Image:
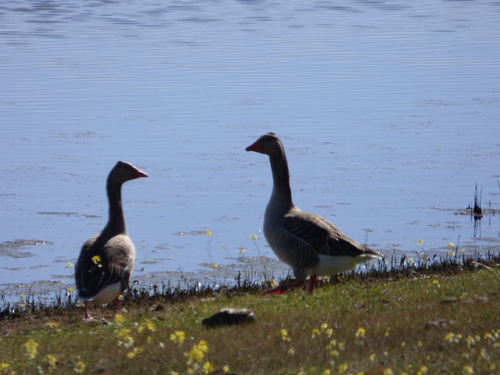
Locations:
389 111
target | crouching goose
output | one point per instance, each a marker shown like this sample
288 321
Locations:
308 243
106 260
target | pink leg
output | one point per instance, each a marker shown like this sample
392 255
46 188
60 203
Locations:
87 315
312 283
117 303
283 288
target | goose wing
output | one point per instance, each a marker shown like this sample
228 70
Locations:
320 237
99 267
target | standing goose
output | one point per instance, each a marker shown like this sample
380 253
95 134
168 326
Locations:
106 260
308 243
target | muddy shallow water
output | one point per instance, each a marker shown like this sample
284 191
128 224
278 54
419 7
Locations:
388 113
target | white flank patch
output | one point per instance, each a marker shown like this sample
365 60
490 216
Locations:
329 265
106 295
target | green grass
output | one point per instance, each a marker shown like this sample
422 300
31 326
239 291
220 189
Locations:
414 320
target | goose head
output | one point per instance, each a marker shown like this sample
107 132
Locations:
124 171
268 144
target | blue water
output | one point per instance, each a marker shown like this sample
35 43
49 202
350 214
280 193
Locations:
389 113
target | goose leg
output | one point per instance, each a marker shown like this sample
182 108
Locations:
312 283
117 303
87 314
283 288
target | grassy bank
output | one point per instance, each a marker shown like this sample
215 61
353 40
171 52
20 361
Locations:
410 320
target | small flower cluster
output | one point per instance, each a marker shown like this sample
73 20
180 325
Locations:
124 338
452 337
31 348
196 356
178 336
323 330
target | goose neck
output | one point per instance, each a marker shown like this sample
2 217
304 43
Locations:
116 222
281 179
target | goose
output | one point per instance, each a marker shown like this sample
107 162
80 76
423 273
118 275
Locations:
106 261
308 243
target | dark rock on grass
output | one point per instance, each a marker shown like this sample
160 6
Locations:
229 317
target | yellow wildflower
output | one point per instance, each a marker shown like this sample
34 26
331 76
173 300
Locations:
388 371
208 368
178 336
134 353
225 369
52 324
468 370
119 319
450 244
253 237
343 368
147 325
372 357
208 232
334 353
327 372
123 333
203 346
420 242
488 336
96 259
80 367
124 339
284 335
450 337
68 265
197 353
52 361
423 370
470 341
315 332
4 365
32 348
483 354
361 332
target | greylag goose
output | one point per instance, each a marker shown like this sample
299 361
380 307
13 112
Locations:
308 243
106 261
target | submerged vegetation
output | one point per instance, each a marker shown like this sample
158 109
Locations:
404 317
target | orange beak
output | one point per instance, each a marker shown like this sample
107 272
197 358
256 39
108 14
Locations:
256 146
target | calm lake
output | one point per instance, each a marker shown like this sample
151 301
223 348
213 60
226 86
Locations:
389 112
